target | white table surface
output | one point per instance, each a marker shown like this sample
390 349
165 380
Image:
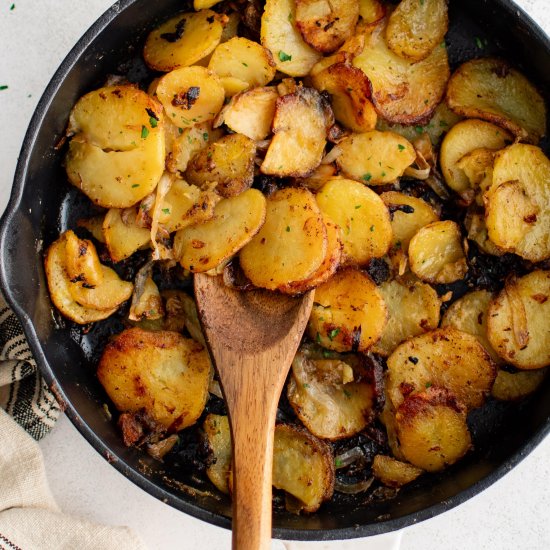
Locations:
512 514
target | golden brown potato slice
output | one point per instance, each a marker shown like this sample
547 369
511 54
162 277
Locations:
291 245
333 398
518 321
463 138
203 4
300 127
362 217
94 226
469 314
229 162
232 85
371 11
190 95
279 34
183 40
408 215
375 158
160 372
250 113
243 59
349 313
413 308
444 357
403 91
116 156
148 304
351 95
236 220
432 430
518 202
82 262
218 436
492 90
321 175
392 472
416 28
436 254
514 386
303 466
122 235
326 25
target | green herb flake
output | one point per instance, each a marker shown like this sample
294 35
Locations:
357 206
418 129
326 354
366 177
443 124
333 334
306 386
421 2
244 64
284 56
135 185
144 132
4 87
205 136
479 43
318 338
153 122
371 228
347 393
12 7
166 210
428 385
180 130
288 228
383 174
401 147
337 463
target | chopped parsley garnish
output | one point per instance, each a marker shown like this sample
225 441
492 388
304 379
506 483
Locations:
284 56
418 129
12 7
337 463
166 210
288 228
318 338
4 87
366 177
371 228
401 147
428 384
333 334
357 206
205 136
306 386
135 185
442 123
153 122
479 43
144 132
347 393
245 64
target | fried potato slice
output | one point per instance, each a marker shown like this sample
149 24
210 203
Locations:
300 127
518 321
362 216
303 466
514 386
116 156
374 157
82 262
349 312
279 34
122 235
326 25
518 202
492 90
160 372
350 94
190 95
334 398
218 437
413 308
432 430
464 138
416 28
321 175
371 11
392 472
408 215
183 40
236 220
403 91
243 59
291 245
447 358
250 113
436 254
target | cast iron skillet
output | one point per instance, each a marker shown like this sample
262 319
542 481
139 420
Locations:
42 205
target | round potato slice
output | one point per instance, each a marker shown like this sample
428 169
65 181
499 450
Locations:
183 40
492 90
349 313
160 372
447 358
518 321
514 386
362 217
392 472
122 235
190 95
436 254
371 11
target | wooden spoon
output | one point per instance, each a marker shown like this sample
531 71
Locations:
253 337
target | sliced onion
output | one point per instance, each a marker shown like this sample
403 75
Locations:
159 251
139 286
349 457
215 389
418 173
332 155
163 447
353 488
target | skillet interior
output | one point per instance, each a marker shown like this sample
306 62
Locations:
42 205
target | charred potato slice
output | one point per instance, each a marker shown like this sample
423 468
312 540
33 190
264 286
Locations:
392 472
116 156
229 162
160 372
183 40
416 28
82 262
292 55
432 430
514 386
190 95
291 245
403 91
349 313
333 398
517 324
518 202
326 25
243 59
122 234
492 90
236 220
413 308
446 358
303 466
362 217
361 156
300 127
436 254
218 436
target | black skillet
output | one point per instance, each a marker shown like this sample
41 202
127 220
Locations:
42 205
